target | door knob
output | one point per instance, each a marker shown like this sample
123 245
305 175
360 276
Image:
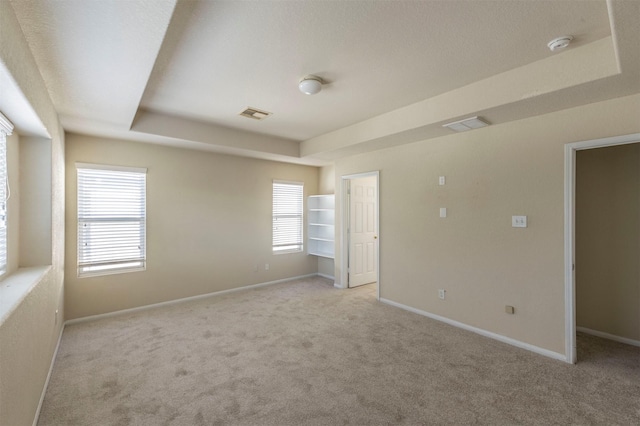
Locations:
375 237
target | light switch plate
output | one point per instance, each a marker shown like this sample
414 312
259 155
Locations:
519 221
441 180
443 212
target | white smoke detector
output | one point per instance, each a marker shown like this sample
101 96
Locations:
559 43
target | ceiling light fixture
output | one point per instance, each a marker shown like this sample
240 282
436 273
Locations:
559 43
466 124
310 85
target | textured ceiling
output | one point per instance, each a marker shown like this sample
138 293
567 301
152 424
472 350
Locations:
179 72
95 56
378 56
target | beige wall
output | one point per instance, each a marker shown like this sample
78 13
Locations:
35 174
28 338
608 240
29 333
326 180
493 173
208 225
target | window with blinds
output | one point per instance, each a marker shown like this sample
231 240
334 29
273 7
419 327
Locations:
6 128
287 216
111 219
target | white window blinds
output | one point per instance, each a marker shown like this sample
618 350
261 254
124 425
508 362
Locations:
111 219
287 216
6 128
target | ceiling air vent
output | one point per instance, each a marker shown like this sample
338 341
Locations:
466 124
255 113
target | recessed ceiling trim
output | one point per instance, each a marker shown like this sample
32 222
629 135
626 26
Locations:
255 113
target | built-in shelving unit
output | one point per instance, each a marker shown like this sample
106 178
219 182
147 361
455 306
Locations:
321 219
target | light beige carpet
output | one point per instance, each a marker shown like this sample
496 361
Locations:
304 353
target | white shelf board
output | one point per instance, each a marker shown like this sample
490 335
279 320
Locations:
322 254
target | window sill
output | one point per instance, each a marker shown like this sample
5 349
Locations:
15 288
277 253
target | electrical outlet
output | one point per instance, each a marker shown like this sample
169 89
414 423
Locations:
441 293
518 221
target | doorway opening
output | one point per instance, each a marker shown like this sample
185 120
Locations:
360 230
570 235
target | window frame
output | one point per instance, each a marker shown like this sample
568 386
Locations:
6 129
86 268
296 246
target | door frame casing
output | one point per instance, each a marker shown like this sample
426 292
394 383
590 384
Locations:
345 219
570 150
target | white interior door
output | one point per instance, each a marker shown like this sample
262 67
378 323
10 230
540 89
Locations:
362 231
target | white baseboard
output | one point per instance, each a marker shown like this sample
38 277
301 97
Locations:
182 300
609 336
485 333
46 382
329 277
